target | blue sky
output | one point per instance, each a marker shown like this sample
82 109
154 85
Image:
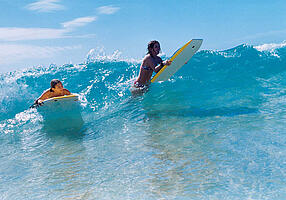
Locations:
43 32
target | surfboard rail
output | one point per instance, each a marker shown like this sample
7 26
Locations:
61 97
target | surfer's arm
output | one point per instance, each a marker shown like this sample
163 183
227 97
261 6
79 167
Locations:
161 65
154 67
167 62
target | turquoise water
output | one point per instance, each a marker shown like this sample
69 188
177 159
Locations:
216 130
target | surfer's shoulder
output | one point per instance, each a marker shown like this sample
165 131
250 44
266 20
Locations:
66 91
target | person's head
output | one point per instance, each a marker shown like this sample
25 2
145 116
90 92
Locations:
56 84
153 47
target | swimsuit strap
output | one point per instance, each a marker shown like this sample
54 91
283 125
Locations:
147 68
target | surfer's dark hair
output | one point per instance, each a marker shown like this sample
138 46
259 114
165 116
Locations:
151 45
54 82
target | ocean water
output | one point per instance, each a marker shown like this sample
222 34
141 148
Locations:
216 130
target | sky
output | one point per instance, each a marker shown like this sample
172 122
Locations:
44 32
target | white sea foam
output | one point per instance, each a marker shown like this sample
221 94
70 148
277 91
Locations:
269 47
98 54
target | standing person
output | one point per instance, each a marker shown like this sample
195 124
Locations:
56 90
151 62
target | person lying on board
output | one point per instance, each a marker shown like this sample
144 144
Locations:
151 62
56 90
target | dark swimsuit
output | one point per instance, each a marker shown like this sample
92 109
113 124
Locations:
147 68
138 85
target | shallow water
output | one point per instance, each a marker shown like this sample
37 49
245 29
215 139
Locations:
216 130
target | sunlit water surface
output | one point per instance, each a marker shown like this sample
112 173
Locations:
216 130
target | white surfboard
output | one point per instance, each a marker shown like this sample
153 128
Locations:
62 112
179 58
61 103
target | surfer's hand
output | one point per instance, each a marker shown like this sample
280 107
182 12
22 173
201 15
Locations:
39 102
167 62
